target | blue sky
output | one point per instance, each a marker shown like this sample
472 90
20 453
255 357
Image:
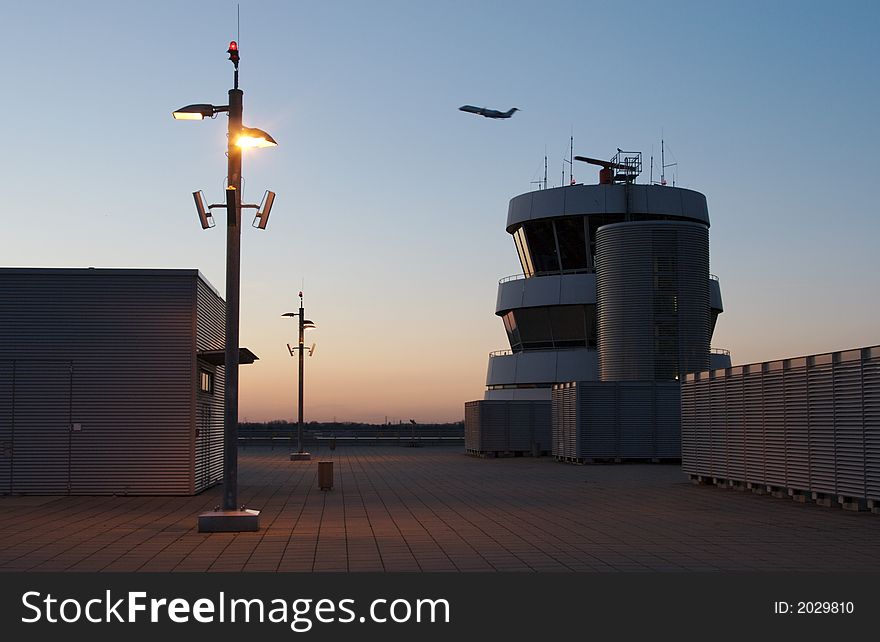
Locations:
391 203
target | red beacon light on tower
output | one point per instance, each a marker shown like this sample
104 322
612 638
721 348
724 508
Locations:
233 52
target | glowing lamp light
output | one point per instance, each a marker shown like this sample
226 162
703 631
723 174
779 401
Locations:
253 137
194 112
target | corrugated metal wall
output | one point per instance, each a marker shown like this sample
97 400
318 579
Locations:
103 371
210 335
6 423
652 285
498 426
807 424
616 420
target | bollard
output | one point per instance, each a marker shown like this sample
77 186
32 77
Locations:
325 475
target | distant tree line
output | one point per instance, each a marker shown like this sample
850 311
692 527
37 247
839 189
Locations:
282 425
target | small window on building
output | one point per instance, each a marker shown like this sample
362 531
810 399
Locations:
206 382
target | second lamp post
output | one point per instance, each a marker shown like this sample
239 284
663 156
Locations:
304 324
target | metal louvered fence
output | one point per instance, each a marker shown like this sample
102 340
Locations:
807 427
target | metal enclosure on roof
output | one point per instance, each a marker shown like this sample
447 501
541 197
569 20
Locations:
99 382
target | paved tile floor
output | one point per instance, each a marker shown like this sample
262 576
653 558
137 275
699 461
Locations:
436 509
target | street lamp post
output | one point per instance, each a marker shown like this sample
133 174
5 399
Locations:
231 517
300 454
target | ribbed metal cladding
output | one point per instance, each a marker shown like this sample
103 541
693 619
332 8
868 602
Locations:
103 364
689 426
820 409
871 409
472 426
807 424
797 434
635 420
774 424
718 459
208 452
736 455
652 289
849 445
564 418
557 418
497 425
703 434
6 423
753 411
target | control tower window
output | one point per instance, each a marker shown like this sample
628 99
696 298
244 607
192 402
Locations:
522 249
534 327
572 247
567 323
542 243
558 326
512 332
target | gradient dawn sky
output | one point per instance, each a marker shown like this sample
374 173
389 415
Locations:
392 203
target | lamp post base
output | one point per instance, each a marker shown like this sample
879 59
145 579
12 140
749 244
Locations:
229 521
300 457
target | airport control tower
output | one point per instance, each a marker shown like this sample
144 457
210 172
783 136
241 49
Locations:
615 288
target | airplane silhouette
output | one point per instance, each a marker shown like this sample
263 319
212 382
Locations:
488 113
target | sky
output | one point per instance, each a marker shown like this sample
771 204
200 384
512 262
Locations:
391 204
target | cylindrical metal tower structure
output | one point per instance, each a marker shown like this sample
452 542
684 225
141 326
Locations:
653 312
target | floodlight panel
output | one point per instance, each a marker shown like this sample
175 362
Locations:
204 212
264 210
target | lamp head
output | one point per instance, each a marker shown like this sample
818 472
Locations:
194 112
253 137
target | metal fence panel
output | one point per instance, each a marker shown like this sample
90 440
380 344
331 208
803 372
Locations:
773 400
849 446
871 396
820 405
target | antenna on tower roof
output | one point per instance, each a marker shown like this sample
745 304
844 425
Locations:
569 160
542 183
545 168
663 163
